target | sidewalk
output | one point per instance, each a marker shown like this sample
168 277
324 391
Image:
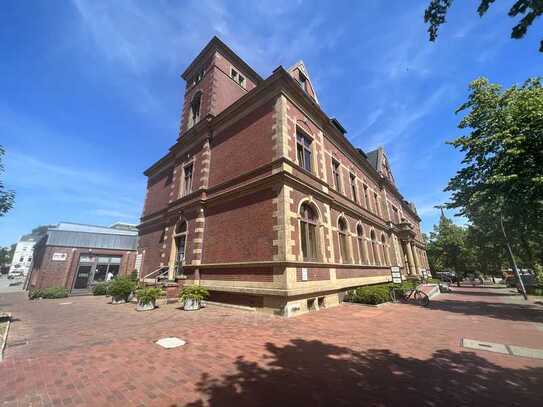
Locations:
83 351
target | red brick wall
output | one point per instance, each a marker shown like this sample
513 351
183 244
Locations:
260 274
51 273
158 191
240 230
242 147
314 274
342 273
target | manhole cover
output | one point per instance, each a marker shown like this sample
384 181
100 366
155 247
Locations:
170 343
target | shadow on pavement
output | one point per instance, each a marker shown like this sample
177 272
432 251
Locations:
314 373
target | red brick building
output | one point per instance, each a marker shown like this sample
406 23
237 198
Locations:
77 257
264 201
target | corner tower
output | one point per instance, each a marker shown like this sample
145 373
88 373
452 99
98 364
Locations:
214 80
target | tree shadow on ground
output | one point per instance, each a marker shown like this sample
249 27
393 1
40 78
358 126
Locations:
314 373
507 311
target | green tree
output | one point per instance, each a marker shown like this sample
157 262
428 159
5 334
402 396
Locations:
6 255
502 173
447 249
436 13
6 197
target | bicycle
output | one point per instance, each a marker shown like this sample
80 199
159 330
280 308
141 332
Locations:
412 295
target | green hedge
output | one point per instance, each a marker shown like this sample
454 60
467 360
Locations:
53 292
376 294
535 290
101 289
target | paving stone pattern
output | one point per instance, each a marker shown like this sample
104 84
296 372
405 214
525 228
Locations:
91 353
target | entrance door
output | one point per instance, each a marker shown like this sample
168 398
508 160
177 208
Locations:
180 258
83 274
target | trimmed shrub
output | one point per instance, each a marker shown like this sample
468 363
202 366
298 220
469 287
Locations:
535 290
377 294
374 295
193 292
101 289
121 288
49 293
148 295
134 275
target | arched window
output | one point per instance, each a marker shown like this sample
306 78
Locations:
308 232
386 256
194 114
342 231
361 245
180 239
374 248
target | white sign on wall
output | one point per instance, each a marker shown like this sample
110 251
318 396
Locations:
59 257
396 275
304 274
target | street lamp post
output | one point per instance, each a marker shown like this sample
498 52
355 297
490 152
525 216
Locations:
512 258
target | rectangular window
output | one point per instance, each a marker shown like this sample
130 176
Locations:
376 198
336 175
237 77
395 215
366 197
303 147
187 180
353 187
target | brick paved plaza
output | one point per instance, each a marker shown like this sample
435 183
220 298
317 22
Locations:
84 351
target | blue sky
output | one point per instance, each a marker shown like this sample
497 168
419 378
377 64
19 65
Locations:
91 90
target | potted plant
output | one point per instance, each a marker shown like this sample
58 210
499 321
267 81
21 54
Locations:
121 289
147 298
191 296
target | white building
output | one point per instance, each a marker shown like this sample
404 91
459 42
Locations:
22 257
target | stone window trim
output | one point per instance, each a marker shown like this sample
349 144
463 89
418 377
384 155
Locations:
237 77
195 109
189 164
336 175
305 150
343 238
386 254
179 234
361 244
375 248
310 225
354 186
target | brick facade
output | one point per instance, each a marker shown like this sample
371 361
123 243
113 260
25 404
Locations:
242 214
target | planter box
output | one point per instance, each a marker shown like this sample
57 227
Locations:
191 305
145 307
116 301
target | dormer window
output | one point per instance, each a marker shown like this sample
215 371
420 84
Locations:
237 77
194 114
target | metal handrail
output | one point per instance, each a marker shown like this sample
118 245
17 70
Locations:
160 271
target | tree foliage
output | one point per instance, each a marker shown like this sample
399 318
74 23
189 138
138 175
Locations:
436 12
6 197
447 247
502 173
